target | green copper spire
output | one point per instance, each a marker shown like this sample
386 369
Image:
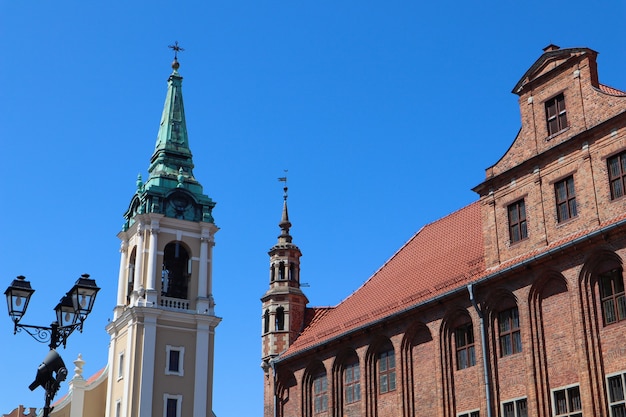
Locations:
171 188
172 146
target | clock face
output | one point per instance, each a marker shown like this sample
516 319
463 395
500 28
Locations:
180 206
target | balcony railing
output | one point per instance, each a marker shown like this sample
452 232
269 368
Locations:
174 303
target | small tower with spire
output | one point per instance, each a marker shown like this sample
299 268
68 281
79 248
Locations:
284 303
163 327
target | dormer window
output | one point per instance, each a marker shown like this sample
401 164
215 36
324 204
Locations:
556 115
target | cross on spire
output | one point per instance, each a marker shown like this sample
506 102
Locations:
176 49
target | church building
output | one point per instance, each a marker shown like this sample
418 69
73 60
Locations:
512 306
160 360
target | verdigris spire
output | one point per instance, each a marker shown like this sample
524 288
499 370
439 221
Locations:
172 146
171 189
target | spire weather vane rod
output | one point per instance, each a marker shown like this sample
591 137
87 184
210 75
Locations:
284 180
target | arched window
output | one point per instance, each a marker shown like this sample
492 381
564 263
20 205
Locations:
266 321
281 271
315 391
465 348
320 393
176 271
272 273
509 332
612 296
292 272
280 318
130 280
352 381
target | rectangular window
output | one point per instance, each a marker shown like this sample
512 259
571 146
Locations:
174 356
612 296
118 408
516 408
352 383
566 402
510 337
517 221
556 115
617 395
565 199
617 175
387 371
465 354
320 394
172 405
120 366
470 414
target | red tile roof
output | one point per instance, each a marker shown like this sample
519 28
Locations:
611 90
446 253
442 257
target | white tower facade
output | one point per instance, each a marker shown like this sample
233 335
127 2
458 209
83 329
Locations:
163 327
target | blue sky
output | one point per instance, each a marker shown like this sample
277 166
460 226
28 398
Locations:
384 113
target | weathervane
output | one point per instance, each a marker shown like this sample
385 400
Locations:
284 179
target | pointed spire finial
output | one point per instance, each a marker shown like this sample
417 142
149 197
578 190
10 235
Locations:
284 224
176 48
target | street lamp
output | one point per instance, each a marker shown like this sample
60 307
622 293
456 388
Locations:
71 313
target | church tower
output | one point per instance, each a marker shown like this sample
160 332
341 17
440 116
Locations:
163 327
284 303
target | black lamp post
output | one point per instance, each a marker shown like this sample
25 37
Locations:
71 313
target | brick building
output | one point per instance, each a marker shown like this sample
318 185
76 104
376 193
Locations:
511 306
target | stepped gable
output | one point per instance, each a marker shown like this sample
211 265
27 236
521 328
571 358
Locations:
442 256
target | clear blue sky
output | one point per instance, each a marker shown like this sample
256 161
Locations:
385 113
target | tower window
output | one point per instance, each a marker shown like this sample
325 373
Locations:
612 296
130 280
517 221
266 321
175 274
565 199
120 366
280 318
617 175
281 271
174 356
556 115
172 405
510 338
387 371
465 350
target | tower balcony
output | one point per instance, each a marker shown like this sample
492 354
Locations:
172 303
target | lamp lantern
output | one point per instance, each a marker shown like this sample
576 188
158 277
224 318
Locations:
66 314
18 295
83 295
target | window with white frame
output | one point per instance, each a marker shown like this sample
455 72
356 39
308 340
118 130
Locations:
616 390
172 405
475 413
174 356
566 402
515 408
118 408
120 365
